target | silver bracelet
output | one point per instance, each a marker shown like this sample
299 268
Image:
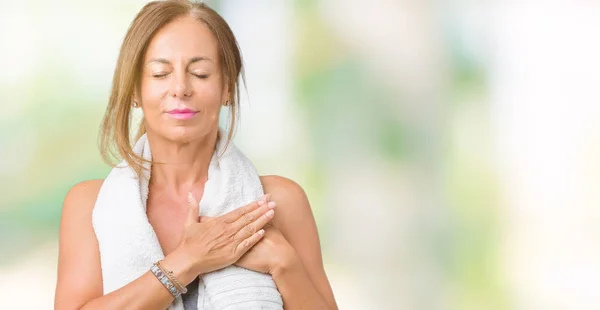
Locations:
162 277
182 289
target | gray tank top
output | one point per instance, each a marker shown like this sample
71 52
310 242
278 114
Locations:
190 299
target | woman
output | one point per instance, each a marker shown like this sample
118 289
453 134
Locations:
179 63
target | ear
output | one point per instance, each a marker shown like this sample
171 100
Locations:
225 95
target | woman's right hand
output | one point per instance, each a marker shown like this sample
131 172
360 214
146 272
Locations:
217 242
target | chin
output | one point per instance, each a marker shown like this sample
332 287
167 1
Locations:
184 134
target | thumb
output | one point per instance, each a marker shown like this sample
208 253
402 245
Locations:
193 210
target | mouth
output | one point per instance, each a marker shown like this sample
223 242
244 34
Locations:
182 113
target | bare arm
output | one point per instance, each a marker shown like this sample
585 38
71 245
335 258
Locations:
79 284
302 280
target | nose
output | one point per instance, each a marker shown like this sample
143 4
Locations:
180 86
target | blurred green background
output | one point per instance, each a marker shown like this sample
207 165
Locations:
448 148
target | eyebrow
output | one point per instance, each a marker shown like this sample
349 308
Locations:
191 61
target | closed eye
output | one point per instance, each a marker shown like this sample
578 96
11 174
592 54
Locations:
200 76
159 75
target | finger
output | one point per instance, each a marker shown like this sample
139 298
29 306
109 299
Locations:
253 215
234 215
250 228
248 243
193 210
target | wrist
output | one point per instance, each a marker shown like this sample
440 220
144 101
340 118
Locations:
182 266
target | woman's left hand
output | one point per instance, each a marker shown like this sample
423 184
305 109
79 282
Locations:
272 253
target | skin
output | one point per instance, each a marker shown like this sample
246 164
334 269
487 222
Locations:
276 234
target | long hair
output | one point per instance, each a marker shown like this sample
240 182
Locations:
115 132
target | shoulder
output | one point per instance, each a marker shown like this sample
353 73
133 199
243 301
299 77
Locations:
86 191
281 186
285 192
293 208
82 196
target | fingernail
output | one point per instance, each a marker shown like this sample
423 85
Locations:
261 232
270 213
190 197
271 204
261 202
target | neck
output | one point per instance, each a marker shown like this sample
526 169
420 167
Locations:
181 167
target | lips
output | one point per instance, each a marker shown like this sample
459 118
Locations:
175 111
182 113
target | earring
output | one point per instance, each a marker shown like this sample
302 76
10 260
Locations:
134 104
226 103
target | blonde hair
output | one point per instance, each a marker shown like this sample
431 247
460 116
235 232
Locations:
115 134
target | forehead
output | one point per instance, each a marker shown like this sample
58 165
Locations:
184 38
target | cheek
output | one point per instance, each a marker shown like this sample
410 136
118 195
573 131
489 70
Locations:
208 90
211 112
209 98
153 90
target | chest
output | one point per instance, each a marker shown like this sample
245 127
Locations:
167 215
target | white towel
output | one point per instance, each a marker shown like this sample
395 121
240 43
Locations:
129 246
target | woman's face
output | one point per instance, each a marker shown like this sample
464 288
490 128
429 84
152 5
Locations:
181 88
